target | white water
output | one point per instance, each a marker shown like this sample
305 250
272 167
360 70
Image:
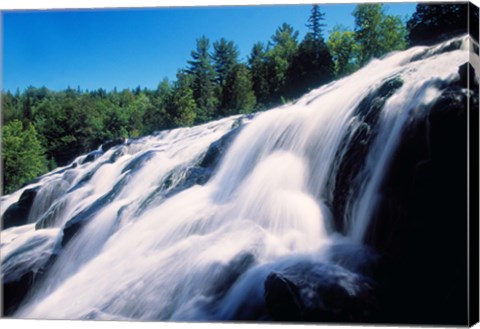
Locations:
162 261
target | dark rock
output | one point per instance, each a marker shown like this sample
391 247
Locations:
92 156
217 149
77 222
354 257
17 213
230 273
15 291
111 143
50 217
117 154
420 224
319 292
22 270
139 161
451 46
351 155
197 175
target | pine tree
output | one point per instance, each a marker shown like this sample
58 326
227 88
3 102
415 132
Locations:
201 68
181 105
225 56
258 68
282 49
315 24
312 64
238 93
436 22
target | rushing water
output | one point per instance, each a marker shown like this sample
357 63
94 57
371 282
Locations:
152 247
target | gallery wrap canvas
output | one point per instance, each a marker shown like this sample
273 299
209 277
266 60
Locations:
243 163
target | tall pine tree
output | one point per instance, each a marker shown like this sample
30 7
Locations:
312 64
201 68
258 68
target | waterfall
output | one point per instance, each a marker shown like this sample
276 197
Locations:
187 224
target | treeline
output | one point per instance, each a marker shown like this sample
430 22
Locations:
44 128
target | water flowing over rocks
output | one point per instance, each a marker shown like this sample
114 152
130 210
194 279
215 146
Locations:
348 205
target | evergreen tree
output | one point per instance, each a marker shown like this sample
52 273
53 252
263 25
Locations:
431 23
201 68
315 24
181 105
312 64
225 56
238 93
259 71
283 47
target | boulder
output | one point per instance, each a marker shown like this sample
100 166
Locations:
17 213
111 143
420 225
217 149
25 260
355 145
319 292
92 156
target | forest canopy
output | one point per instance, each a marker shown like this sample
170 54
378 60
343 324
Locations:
43 129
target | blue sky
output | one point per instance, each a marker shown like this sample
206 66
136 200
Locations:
125 48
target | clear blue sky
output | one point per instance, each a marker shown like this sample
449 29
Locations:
125 48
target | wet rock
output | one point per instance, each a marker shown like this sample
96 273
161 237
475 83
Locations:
77 222
217 149
23 267
320 293
111 143
17 213
139 161
420 225
92 156
351 155
230 273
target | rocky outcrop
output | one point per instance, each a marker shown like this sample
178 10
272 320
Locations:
351 155
420 226
320 293
17 213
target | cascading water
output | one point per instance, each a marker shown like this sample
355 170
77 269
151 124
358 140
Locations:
156 229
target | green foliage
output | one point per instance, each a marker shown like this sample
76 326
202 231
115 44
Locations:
433 22
312 64
315 24
368 18
238 93
225 57
393 34
377 33
181 104
344 50
283 47
22 154
203 73
61 125
155 116
258 67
